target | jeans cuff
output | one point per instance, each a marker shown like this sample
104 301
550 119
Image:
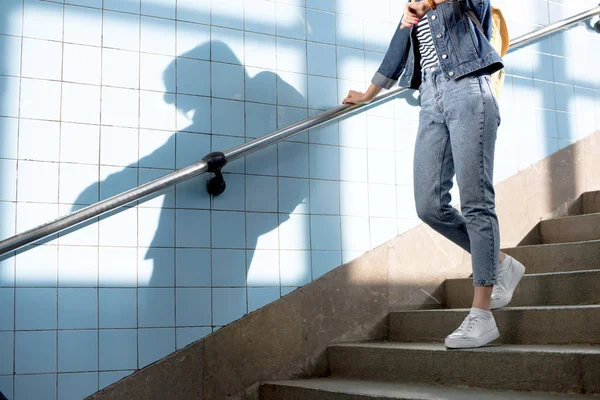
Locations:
382 81
486 282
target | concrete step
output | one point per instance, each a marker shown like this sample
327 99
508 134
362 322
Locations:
523 325
557 369
548 289
342 389
591 202
578 228
560 257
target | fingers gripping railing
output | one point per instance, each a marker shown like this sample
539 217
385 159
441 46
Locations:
215 161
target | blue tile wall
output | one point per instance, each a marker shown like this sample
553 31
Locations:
101 96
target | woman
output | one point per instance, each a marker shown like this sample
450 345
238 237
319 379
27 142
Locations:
440 51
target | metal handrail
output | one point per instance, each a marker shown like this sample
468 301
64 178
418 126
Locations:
143 191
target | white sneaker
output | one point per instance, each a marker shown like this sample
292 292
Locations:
478 329
510 272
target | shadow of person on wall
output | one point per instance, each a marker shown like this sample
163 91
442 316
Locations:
194 191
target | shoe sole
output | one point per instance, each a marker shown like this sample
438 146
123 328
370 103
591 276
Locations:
473 343
520 271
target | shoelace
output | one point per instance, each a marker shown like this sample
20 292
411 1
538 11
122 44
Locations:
468 323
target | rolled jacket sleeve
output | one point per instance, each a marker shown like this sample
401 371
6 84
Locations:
393 63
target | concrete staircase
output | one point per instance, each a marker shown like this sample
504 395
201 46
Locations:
550 335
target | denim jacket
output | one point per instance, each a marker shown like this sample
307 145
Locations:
462 48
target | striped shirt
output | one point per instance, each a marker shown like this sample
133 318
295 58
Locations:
429 57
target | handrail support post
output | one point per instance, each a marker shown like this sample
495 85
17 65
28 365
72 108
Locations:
215 162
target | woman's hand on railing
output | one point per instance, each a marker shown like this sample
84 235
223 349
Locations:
355 97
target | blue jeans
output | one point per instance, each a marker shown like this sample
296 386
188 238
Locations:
458 123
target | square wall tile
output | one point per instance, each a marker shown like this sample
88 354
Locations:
77 308
227 81
194 115
234 198
321 26
382 167
78 266
116 180
191 148
30 215
260 297
157 149
120 107
80 103
193 77
259 16
294 195
382 200
9 181
81 64
119 30
263 268
12 55
155 344
158 111
10 105
39 140
261 193
108 378
78 184
120 68
193 40
263 162
292 89
228 117
39 99
42 20
193 267
324 197
193 307
35 352
7 340
194 11
295 267
291 21
322 59
79 143
192 228
293 159
161 8
261 119
7 299
156 308
156 267
227 46
37 266
325 134
117 267
324 262
158 73
41 59
118 349
186 336
261 86
35 387
261 231
229 14
118 308
118 146
291 55
260 50
383 230
355 233
9 132
287 116
192 194
229 304
228 268
322 93
158 36
228 230
349 31
77 386
294 232
83 26
38 182
325 232
324 162
77 351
